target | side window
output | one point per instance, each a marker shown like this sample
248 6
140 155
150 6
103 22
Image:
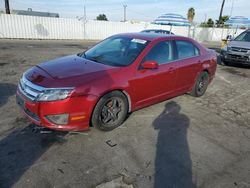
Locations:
186 49
161 53
196 51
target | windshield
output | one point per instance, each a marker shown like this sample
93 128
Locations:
245 37
116 51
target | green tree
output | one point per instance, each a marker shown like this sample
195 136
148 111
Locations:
191 14
102 17
203 24
223 20
210 22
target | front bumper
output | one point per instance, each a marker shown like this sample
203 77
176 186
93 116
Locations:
235 57
79 109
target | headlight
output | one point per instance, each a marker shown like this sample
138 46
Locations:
224 48
54 94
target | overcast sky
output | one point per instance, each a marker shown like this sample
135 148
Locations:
144 10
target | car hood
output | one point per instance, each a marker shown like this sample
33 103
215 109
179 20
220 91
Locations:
240 44
69 71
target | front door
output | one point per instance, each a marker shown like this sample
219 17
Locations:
153 85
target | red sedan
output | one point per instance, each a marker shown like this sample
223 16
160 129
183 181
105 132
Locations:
121 74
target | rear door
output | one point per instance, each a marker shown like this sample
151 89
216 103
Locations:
188 58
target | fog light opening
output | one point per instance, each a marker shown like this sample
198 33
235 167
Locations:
60 119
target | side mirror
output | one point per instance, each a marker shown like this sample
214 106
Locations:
151 64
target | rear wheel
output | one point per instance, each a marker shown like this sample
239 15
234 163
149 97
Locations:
226 63
110 111
201 85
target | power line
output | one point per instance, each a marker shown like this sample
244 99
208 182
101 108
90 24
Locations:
141 14
105 10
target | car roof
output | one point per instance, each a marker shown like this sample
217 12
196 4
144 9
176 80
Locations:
151 36
155 30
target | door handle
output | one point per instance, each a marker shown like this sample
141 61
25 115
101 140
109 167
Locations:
171 69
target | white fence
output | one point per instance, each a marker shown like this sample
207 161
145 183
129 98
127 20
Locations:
31 27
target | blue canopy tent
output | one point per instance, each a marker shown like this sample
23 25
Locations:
172 19
238 21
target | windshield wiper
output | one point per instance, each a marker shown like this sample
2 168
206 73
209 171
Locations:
82 55
96 59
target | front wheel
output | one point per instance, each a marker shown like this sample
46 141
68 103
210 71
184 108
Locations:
222 61
110 111
201 85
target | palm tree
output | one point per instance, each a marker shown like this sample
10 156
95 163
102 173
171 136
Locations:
221 10
191 14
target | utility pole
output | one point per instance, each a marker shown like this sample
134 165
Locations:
84 20
84 13
7 7
221 11
124 15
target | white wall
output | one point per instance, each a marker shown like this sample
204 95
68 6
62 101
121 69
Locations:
17 26
31 27
214 34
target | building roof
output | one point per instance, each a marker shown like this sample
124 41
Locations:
30 12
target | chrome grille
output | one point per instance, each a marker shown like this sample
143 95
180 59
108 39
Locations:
238 57
29 89
237 49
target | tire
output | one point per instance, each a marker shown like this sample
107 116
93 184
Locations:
225 63
200 85
222 61
110 111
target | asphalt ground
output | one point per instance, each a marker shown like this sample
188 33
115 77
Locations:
182 142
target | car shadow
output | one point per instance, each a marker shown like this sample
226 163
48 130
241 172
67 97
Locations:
21 148
6 90
238 65
173 165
